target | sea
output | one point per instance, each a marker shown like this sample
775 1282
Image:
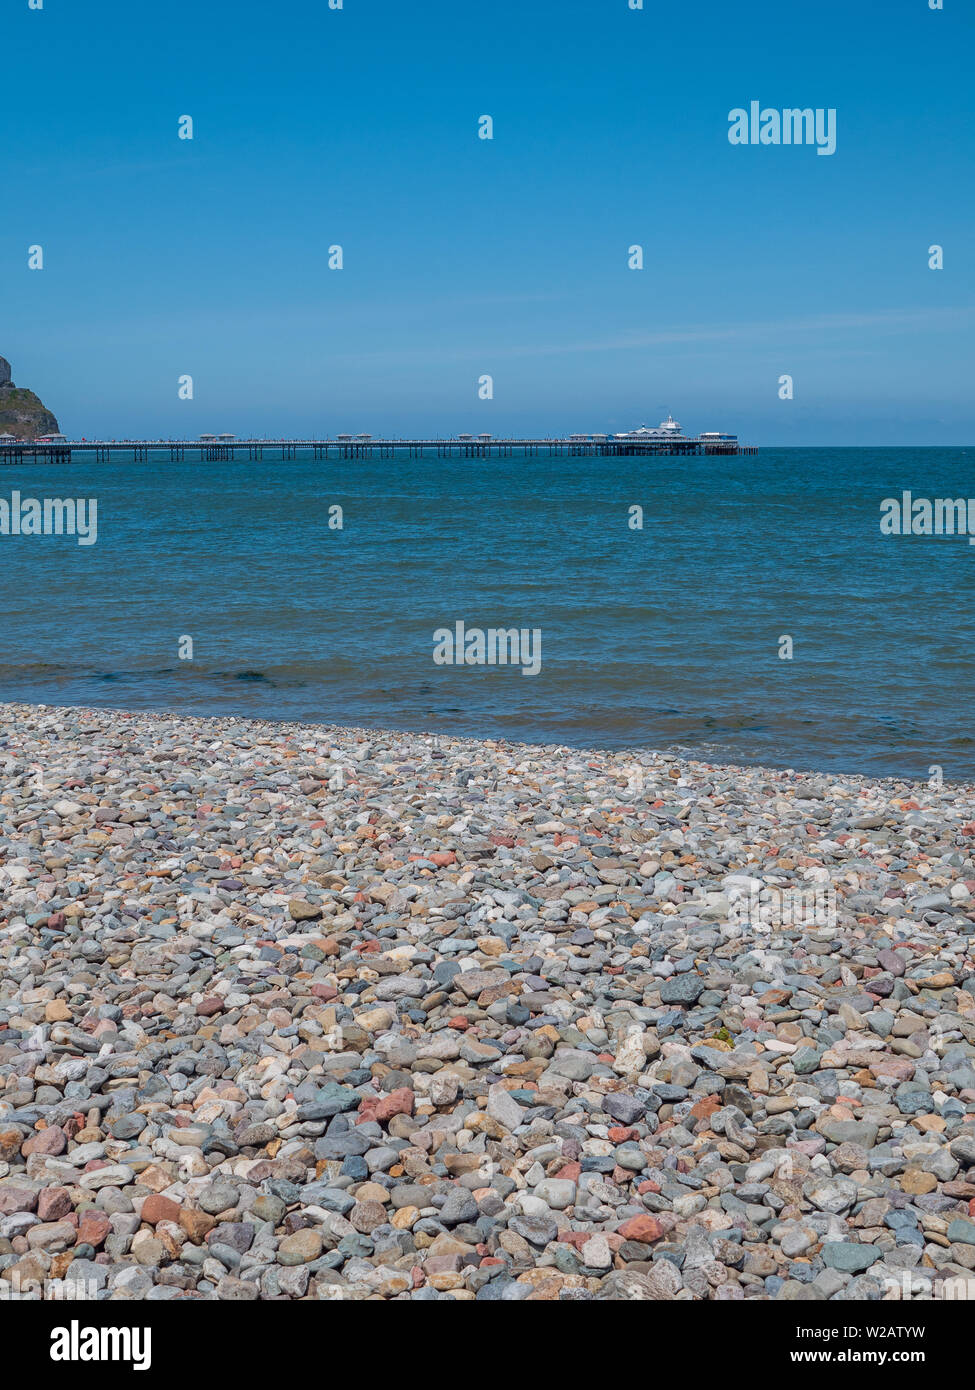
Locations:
746 609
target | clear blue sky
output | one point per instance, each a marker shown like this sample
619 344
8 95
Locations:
508 257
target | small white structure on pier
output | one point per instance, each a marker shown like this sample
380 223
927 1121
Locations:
667 429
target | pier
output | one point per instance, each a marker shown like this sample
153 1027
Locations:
362 447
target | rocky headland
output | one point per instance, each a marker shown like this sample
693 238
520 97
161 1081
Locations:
22 414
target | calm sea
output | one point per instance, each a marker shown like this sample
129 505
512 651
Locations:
663 637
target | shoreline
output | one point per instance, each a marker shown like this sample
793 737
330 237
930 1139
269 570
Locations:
305 1011
683 755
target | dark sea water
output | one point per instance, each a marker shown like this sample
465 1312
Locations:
665 637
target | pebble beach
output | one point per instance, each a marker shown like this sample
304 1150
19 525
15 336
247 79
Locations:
304 1012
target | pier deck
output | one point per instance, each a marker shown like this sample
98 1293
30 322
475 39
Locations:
141 450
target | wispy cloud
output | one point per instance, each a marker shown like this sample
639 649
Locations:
891 321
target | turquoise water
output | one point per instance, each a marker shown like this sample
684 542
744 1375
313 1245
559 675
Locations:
666 636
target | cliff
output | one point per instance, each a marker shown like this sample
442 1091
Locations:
21 412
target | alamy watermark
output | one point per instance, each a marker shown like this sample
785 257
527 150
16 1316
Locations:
495 646
908 515
50 516
913 1283
18 1289
772 909
790 126
77 1343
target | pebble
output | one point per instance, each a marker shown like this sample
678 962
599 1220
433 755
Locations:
473 1020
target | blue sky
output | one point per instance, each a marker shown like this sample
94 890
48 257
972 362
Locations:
358 127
